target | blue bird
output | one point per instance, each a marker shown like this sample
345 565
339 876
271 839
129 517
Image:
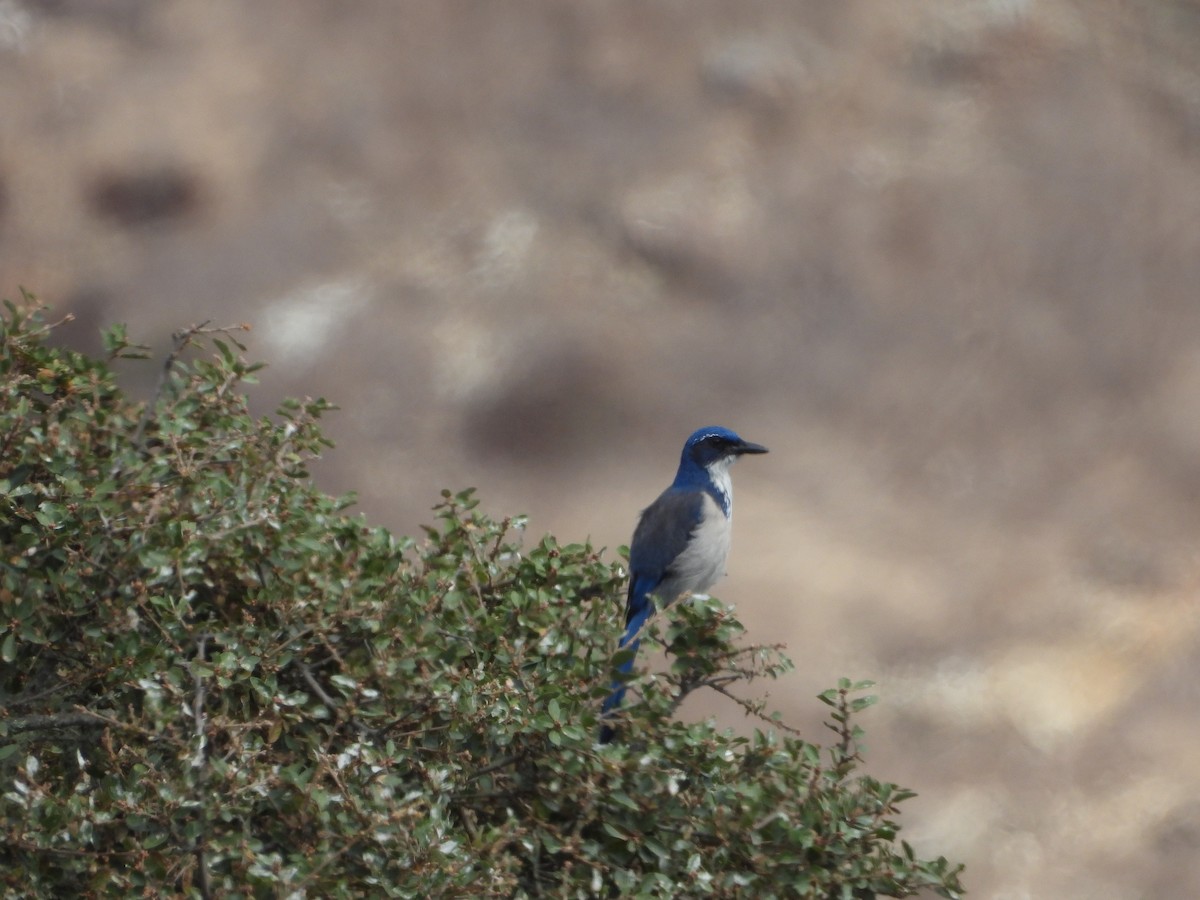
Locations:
682 539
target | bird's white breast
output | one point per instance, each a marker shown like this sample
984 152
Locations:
702 564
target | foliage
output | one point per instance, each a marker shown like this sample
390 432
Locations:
216 682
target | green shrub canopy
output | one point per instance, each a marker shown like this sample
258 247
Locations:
214 681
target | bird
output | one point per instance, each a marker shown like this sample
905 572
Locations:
681 541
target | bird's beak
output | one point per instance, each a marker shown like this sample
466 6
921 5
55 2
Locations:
747 447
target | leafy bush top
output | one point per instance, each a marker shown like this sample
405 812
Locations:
216 682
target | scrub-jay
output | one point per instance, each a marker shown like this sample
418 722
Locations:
682 539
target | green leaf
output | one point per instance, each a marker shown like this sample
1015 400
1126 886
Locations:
8 650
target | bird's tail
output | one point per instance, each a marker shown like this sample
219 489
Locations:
638 608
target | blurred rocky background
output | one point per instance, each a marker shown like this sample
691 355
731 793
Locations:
942 256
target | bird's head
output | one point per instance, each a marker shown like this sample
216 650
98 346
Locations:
716 446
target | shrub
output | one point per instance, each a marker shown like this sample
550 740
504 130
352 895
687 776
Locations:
217 682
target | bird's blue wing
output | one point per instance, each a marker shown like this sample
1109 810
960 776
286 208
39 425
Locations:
663 531
662 534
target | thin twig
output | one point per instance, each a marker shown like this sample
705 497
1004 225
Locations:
198 718
127 726
307 675
498 764
46 328
758 714
55 722
26 699
200 722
